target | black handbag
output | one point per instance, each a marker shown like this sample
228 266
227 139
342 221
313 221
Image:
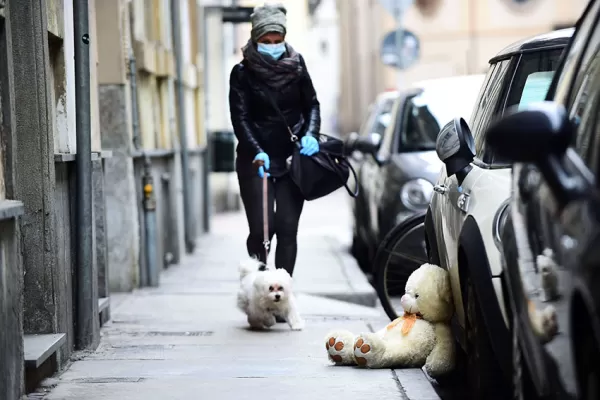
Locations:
322 173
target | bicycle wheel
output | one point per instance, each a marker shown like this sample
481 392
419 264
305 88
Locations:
401 252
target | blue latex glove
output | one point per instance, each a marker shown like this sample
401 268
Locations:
310 146
264 158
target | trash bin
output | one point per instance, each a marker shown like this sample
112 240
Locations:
223 151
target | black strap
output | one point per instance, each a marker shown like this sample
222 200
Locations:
292 135
339 174
267 91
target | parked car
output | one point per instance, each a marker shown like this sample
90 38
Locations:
550 233
372 128
473 186
398 171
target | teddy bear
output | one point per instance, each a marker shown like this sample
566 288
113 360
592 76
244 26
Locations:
420 337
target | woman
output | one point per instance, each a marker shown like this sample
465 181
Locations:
271 90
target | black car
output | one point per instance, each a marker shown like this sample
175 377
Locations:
372 129
397 172
549 233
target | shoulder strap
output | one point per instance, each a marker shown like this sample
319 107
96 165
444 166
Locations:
267 92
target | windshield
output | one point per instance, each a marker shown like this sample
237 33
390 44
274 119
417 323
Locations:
427 112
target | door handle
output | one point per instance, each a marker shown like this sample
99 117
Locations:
441 189
463 202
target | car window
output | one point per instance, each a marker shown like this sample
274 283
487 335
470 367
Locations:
383 118
533 77
488 105
428 111
530 82
536 88
385 150
570 67
368 122
586 101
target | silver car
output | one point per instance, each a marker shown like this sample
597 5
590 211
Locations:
400 167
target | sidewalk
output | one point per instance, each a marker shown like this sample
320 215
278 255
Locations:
186 339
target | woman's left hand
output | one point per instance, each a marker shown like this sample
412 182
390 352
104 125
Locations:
310 146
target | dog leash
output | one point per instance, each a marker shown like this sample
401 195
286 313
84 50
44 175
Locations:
266 241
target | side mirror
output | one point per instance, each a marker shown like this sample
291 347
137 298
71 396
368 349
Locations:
542 129
366 145
456 148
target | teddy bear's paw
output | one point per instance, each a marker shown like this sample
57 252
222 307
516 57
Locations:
365 351
549 323
339 348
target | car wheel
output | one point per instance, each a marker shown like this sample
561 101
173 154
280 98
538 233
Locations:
589 375
400 253
360 251
523 388
484 376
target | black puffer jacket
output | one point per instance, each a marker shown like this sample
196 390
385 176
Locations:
259 127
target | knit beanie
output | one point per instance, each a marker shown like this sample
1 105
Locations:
266 19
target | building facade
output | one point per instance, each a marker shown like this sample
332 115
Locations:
142 112
456 37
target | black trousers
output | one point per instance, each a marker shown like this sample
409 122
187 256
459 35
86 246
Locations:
285 204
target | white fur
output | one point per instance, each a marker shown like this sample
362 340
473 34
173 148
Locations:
429 343
264 294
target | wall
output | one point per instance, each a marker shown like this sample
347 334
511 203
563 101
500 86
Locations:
114 96
145 28
456 37
363 25
11 267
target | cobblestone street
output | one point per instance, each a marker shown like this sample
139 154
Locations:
186 339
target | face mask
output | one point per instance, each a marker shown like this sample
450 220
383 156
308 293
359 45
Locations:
272 50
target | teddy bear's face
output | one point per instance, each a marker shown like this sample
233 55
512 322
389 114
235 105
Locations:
428 293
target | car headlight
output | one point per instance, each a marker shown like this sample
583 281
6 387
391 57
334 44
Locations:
499 222
416 194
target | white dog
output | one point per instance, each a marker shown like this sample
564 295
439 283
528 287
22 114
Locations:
265 293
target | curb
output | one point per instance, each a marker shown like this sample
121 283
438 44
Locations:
360 290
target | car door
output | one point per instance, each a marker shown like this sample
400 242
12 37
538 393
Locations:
373 177
455 198
574 232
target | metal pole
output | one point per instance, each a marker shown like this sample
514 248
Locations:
150 272
399 39
152 269
207 165
182 124
84 249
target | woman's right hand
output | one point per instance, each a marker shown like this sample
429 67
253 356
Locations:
264 162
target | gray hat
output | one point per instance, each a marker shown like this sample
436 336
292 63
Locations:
268 18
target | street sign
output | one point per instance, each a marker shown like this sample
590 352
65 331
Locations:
400 56
396 7
237 15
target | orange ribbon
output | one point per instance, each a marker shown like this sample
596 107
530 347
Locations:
407 321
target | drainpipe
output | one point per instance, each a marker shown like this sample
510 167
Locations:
182 124
149 276
84 246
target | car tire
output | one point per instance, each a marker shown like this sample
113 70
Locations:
483 373
360 251
522 384
588 373
380 263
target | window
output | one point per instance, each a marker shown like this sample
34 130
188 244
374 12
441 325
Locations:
586 104
533 77
530 82
536 88
427 112
487 106
377 121
570 66
385 150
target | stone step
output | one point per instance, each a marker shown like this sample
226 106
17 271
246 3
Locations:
40 357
